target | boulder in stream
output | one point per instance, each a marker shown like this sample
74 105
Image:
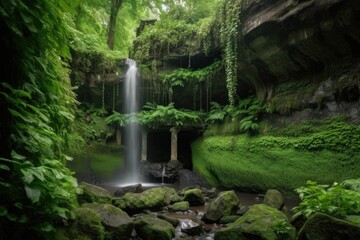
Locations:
274 198
226 203
260 222
179 206
117 223
194 197
151 228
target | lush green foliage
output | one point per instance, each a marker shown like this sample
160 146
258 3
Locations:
37 189
158 115
285 162
351 184
181 76
247 113
333 200
184 24
229 20
117 119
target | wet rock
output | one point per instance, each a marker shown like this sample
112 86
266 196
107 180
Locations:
91 193
136 188
194 197
117 223
190 179
260 222
171 220
179 206
151 228
323 227
190 227
225 204
210 193
274 198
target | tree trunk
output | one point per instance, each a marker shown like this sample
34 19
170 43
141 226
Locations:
115 5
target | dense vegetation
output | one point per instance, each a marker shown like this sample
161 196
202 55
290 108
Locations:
284 158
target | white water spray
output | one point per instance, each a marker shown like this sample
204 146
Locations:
132 130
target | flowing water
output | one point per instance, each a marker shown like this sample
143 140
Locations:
132 130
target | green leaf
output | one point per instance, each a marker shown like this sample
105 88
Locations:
23 219
33 194
47 227
3 211
4 167
17 156
12 217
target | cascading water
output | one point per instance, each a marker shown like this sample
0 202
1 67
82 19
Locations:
132 130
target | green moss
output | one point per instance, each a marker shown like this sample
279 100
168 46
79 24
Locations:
154 228
179 206
324 154
104 159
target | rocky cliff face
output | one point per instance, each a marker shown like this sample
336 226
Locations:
285 40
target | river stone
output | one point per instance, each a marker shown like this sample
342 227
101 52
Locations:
179 206
225 204
260 222
87 225
151 228
117 223
274 198
190 227
171 196
153 198
171 220
194 197
323 227
91 193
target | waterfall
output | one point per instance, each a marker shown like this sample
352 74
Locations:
163 174
132 130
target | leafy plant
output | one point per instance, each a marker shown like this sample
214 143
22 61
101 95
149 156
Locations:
117 119
282 228
157 115
333 200
216 114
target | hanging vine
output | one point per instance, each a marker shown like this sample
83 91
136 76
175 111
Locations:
230 34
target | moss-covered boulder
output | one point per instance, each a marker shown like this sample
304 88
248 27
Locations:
352 184
118 224
179 206
323 227
153 198
91 193
171 220
226 203
229 219
87 226
171 196
274 198
194 197
151 228
260 222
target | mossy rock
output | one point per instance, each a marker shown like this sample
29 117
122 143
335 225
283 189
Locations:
171 220
260 222
226 203
354 219
118 224
274 198
87 226
91 193
352 184
151 228
190 227
171 196
179 206
323 227
229 219
194 197
153 198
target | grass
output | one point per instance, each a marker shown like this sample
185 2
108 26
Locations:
104 159
324 153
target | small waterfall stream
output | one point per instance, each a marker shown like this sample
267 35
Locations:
132 130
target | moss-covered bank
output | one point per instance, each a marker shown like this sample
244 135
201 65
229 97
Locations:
324 151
